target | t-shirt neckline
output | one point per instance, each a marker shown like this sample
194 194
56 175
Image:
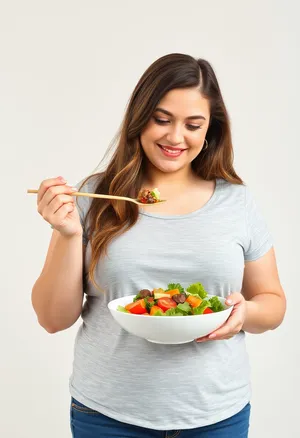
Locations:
202 209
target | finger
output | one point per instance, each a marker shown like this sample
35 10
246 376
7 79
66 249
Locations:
234 298
57 220
51 194
228 329
206 339
203 339
47 183
58 202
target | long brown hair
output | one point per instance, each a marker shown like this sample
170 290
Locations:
123 175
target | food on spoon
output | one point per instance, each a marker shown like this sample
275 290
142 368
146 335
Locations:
173 301
147 196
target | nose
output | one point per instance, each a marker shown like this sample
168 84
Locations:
175 135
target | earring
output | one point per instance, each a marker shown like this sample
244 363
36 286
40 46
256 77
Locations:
205 145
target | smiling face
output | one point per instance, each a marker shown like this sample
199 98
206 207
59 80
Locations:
175 134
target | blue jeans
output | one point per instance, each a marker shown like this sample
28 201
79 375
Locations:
87 423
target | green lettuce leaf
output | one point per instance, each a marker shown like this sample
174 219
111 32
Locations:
173 312
198 290
178 286
159 313
156 194
180 310
184 307
149 304
122 309
216 304
200 309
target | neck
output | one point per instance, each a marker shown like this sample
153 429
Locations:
155 178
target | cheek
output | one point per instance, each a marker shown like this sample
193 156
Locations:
195 141
151 135
200 136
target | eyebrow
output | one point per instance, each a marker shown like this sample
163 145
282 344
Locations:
170 114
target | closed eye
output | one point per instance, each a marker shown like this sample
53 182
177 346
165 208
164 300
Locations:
164 122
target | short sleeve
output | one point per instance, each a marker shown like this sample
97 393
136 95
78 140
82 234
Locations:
258 240
83 204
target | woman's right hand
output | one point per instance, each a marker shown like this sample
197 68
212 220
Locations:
57 206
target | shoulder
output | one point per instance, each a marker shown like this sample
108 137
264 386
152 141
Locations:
239 196
232 191
89 183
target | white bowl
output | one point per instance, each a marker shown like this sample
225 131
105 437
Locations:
168 329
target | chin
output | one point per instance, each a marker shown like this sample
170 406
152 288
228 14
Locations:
168 167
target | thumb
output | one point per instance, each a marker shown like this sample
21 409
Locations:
234 298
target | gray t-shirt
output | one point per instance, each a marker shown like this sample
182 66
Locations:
167 387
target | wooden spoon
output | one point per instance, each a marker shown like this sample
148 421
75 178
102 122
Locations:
95 195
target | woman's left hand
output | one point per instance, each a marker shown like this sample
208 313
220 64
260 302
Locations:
234 323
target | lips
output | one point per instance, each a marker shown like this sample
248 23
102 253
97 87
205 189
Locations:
170 151
170 148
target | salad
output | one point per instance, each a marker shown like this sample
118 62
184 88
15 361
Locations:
149 196
173 301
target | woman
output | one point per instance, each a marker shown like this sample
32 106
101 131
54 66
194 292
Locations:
175 136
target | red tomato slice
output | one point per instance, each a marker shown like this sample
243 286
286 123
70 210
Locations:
208 310
138 307
166 303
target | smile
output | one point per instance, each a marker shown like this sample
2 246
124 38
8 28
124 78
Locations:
170 151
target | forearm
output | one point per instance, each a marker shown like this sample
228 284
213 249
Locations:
264 312
57 294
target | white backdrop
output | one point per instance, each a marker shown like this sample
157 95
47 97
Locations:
67 69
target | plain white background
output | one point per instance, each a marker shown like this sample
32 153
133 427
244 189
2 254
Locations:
67 69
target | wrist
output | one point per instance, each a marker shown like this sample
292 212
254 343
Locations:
72 236
252 322
76 235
